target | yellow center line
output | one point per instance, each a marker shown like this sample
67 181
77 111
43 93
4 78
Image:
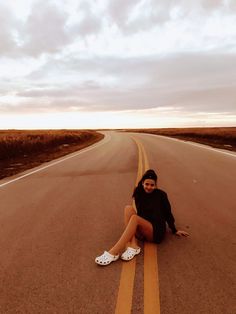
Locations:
125 293
151 281
146 163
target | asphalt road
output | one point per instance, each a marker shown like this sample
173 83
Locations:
56 220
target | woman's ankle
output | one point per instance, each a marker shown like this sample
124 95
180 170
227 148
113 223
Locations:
113 252
134 245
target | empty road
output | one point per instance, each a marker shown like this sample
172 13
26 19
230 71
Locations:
56 218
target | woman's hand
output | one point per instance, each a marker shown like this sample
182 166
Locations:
180 233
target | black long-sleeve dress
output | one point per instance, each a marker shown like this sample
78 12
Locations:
155 207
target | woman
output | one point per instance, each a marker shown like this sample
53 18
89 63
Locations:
149 223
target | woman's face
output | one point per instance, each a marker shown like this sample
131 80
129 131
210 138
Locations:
149 185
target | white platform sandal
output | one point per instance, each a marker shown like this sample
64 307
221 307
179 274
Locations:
130 253
106 258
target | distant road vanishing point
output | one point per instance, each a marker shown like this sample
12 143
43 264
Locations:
56 218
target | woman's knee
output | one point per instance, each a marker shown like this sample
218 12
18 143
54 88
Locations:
129 210
135 218
141 223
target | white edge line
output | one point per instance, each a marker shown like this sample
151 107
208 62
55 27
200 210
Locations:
219 150
103 141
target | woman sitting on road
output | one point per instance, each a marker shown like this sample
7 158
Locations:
149 223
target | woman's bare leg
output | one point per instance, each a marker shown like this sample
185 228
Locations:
135 221
129 211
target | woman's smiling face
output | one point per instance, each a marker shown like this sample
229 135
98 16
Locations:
149 185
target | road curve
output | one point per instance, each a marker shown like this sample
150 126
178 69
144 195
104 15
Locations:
55 220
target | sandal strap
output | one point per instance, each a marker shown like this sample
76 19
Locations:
107 256
130 253
132 249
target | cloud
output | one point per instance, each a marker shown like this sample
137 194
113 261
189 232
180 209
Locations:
177 70
120 10
59 92
7 31
87 20
196 82
45 30
69 100
126 55
137 16
116 26
210 69
231 4
42 30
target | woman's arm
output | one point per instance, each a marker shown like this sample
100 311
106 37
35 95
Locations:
170 218
168 214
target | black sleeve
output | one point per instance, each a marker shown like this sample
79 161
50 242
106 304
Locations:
168 214
137 204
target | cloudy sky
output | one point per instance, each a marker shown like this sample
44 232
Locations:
117 63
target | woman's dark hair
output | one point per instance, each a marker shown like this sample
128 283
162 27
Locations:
149 174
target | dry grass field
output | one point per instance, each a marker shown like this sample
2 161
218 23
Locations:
219 137
24 149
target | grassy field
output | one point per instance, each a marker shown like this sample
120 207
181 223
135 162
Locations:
24 149
219 137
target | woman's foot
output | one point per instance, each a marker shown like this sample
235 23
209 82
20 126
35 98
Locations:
130 253
106 258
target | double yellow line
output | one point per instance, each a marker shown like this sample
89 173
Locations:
151 281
